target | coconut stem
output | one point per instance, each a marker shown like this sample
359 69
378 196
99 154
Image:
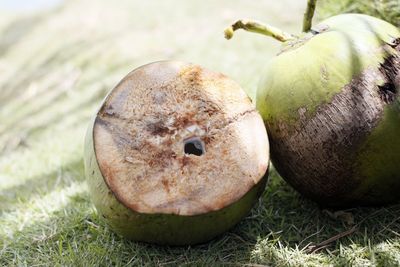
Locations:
253 26
308 15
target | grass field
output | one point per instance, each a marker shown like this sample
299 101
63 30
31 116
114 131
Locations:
385 9
55 68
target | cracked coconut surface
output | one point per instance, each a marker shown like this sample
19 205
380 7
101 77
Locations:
141 130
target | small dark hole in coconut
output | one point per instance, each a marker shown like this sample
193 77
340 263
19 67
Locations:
395 42
194 146
388 92
314 32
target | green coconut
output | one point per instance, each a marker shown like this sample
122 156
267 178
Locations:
330 103
175 155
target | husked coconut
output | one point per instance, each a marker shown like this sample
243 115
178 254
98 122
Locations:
176 154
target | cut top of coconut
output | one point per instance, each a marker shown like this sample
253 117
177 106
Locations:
174 138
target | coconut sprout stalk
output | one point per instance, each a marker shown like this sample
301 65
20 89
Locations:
258 27
308 15
330 101
268 30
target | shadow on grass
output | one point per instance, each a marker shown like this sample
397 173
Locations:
68 52
282 220
54 100
53 61
40 185
8 134
13 88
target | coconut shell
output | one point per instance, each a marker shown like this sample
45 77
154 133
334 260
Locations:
330 102
176 154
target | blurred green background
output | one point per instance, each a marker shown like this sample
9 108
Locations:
58 59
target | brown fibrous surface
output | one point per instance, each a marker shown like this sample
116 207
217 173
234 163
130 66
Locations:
142 128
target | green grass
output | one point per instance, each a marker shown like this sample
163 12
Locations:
385 9
57 65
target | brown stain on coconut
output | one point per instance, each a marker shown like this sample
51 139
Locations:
336 128
148 118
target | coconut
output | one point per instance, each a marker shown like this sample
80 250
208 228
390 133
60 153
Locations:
175 155
331 106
